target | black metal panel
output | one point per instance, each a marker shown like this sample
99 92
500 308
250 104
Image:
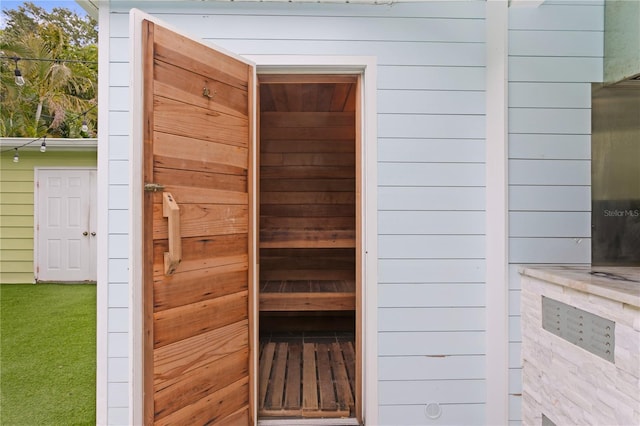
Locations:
584 329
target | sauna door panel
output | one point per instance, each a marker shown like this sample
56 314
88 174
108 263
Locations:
198 126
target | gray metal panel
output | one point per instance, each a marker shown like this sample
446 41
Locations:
584 329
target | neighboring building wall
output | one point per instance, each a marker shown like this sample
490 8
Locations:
555 53
17 208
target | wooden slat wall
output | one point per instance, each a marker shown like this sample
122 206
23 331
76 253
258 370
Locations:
307 165
555 53
437 49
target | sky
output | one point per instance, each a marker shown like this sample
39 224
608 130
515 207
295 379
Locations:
45 4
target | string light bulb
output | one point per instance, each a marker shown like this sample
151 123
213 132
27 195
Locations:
18 78
43 145
16 157
85 127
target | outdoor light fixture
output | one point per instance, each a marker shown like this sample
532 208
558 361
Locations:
43 145
85 127
19 79
16 157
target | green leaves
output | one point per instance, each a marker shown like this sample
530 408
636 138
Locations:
59 56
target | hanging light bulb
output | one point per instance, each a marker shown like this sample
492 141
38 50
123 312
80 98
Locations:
43 145
85 127
16 157
19 79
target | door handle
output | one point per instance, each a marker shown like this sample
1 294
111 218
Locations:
85 233
171 211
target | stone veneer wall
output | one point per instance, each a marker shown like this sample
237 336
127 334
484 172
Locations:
565 382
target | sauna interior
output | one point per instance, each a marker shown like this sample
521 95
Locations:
307 246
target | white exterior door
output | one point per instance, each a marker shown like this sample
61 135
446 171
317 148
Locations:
65 225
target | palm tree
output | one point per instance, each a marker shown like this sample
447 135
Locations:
41 105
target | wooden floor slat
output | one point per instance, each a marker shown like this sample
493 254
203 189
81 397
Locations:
307 379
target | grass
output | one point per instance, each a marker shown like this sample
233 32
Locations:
47 354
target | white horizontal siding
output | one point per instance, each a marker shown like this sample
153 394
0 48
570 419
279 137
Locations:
431 271
394 295
431 174
430 103
423 392
431 222
432 150
431 198
452 414
431 343
432 367
550 147
555 53
431 319
431 246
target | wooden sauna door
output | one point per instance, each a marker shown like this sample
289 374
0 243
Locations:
197 136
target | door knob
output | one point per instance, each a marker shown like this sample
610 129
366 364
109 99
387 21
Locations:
85 233
93 234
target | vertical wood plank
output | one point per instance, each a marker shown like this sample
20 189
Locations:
309 382
266 361
292 395
327 393
277 378
343 389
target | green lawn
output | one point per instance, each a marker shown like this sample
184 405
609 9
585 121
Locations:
47 354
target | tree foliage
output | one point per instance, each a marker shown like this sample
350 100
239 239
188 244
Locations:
58 60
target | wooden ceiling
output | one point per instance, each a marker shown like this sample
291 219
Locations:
307 93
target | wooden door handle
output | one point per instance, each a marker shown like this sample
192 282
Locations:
171 210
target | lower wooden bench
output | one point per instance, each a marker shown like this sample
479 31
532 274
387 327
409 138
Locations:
307 295
300 379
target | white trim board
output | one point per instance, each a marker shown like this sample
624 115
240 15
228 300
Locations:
497 216
264 63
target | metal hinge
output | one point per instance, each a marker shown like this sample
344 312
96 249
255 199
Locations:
153 187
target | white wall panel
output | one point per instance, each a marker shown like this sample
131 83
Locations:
452 414
569 17
432 367
388 53
118 394
423 392
120 96
430 271
550 198
119 74
556 52
431 126
431 319
431 102
431 198
431 150
549 95
118 172
298 27
556 43
431 174
118 295
550 224
550 172
434 295
118 416
118 344
431 222
550 250
119 148
119 123
431 343
431 246
555 69
431 78
554 121
552 147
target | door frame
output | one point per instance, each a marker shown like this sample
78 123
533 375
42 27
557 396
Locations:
36 215
366 66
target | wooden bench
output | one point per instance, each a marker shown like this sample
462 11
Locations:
307 295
